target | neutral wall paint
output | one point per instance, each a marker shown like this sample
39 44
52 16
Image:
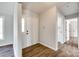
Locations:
34 21
17 44
7 29
6 11
48 25
7 8
78 26
35 27
60 30
73 28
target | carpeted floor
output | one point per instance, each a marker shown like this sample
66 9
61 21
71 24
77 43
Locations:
6 51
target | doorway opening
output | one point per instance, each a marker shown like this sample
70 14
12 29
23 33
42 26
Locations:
69 47
72 37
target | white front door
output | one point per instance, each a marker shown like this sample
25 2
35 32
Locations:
27 34
28 31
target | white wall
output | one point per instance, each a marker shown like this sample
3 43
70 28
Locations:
8 24
17 44
7 30
32 25
78 26
48 25
35 27
60 32
73 27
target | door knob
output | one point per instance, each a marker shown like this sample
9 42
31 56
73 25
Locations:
27 33
27 30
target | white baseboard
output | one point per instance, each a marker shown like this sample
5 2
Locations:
5 44
44 45
29 45
48 46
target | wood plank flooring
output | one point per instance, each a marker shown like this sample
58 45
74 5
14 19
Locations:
68 49
39 50
6 51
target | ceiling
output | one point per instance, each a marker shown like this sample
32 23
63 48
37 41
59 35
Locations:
38 7
67 8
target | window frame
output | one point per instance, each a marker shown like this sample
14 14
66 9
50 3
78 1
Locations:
2 27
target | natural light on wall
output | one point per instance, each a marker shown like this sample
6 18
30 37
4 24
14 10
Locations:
1 28
71 28
23 24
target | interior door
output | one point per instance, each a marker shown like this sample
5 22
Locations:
27 34
29 31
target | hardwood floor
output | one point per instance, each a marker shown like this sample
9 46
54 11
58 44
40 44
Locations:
68 49
39 50
6 51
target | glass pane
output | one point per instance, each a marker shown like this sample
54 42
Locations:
1 28
22 24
